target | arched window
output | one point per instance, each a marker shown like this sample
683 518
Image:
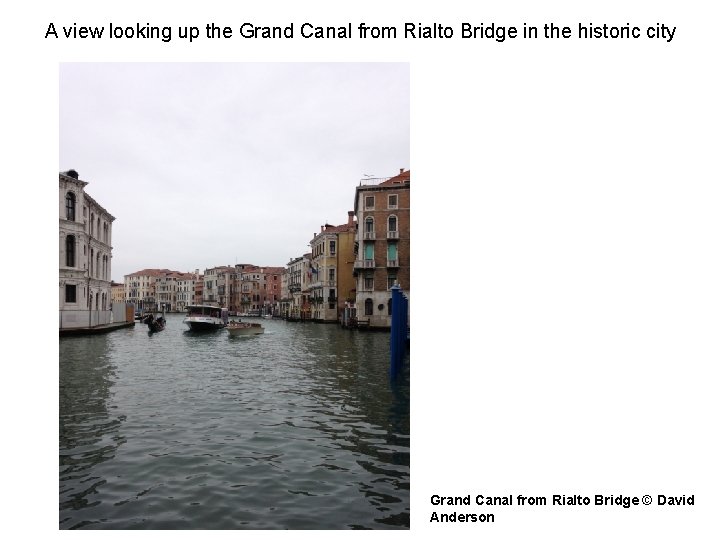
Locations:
70 250
92 224
369 225
368 306
92 260
390 306
392 227
70 206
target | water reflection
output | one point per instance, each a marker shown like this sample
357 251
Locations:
89 429
298 428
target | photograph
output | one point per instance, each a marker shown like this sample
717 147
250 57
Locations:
234 296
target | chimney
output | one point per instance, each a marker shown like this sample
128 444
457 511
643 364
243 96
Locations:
402 171
351 215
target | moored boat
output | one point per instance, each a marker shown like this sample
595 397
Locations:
244 329
205 317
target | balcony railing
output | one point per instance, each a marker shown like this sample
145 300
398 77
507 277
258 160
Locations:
367 263
369 235
392 235
392 263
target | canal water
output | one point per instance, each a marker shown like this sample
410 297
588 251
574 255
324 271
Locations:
298 428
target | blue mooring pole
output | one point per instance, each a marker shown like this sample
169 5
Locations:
398 330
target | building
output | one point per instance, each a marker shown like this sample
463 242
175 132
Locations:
216 285
117 292
332 283
167 290
199 288
323 275
382 209
285 298
85 256
185 290
298 282
152 289
271 292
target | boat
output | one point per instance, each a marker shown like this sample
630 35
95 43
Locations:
155 324
239 328
206 317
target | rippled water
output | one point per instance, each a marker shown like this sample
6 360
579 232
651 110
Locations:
298 428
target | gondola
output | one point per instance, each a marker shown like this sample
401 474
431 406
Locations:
154 324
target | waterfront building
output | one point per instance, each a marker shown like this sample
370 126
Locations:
215 285
199 288
271 288
171 295
185 295
117 292
85 256
152 289
285 299
332 283
247 288
347 287
298 279
382 208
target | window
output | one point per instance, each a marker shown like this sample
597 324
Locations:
369 283
369 202
369 252
368 306
369 225
332 247
392 278
331 274
392 201
392 224
390 306
392 253
70 206
70 294
70 250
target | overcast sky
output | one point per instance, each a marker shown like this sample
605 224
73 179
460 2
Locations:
205 164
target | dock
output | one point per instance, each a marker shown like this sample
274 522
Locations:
100 329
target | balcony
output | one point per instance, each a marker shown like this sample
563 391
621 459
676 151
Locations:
369 235
367 263
392 263
392 235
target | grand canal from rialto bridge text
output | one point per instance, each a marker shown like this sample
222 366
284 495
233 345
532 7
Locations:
298 428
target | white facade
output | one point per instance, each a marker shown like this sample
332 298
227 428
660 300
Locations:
185 291
298 278
85 256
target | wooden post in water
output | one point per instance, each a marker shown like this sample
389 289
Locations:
398 330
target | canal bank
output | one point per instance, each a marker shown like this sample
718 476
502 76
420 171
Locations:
99 329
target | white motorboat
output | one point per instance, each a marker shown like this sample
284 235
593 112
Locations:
244 329
205 317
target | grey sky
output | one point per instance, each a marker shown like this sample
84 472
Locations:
204 164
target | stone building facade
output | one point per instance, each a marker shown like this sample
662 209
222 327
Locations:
85 256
